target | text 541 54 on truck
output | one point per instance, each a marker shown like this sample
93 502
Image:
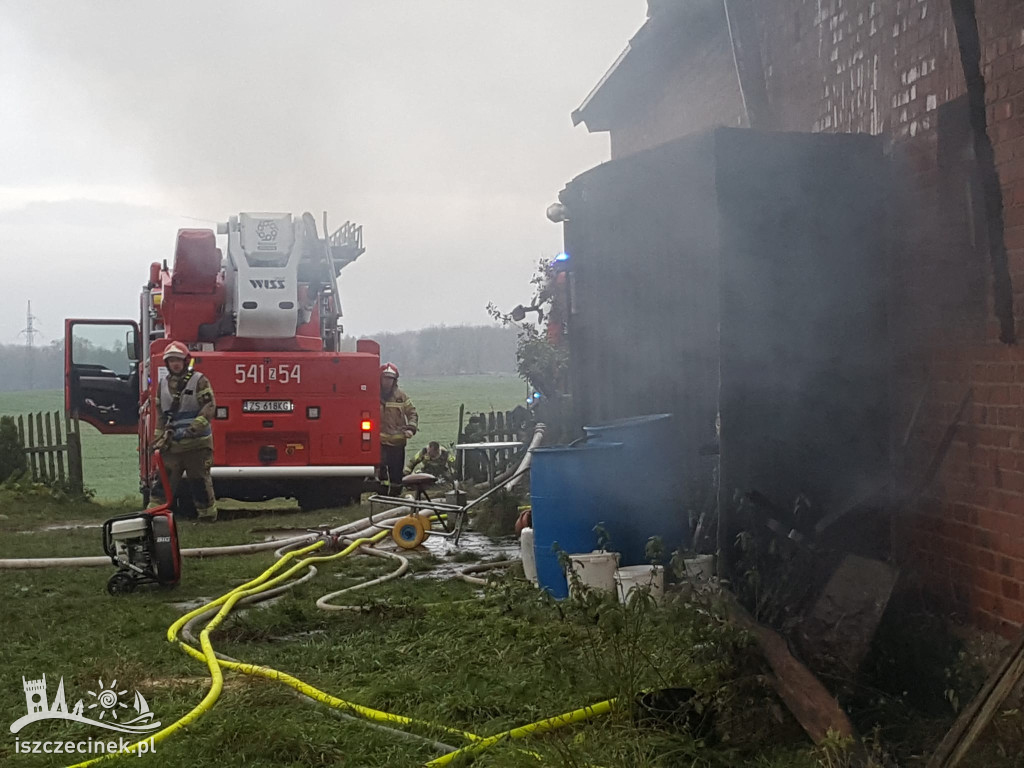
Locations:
295 416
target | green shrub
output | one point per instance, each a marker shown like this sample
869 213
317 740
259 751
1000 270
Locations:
12 451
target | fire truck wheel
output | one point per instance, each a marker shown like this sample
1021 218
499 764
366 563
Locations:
120 583
408 532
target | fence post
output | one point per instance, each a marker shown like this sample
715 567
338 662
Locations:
40 454
29 445
22 436
52 447
502 456
61 447
75 480
459 438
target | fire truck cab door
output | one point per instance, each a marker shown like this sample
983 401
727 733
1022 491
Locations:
101 373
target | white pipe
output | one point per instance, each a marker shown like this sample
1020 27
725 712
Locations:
277 473
348 530
24 563
538 437
464 574
186 631
21 563
324 602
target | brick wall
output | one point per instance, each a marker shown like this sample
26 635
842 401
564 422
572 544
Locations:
892 67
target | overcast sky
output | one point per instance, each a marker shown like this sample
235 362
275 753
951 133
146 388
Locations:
440 125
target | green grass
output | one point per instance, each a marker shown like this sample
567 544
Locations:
421 647
111 461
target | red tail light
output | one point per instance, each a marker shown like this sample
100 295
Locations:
366 426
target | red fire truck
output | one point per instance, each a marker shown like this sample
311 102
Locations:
295 415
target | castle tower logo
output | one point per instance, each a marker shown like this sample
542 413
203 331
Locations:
104 706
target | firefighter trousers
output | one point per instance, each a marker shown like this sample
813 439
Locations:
392 462
194 466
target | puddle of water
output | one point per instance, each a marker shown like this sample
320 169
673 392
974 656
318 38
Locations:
486 548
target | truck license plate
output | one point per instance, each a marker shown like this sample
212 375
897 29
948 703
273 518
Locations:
267 406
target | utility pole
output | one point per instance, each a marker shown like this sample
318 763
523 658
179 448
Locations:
29 332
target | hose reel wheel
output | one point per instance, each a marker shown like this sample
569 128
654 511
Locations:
409 532
121 583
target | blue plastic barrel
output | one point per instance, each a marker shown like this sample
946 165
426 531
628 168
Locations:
652 447
570 493
649 482
626 476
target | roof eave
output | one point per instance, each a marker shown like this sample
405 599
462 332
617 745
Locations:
594 122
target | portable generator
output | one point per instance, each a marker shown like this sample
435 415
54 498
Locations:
143 546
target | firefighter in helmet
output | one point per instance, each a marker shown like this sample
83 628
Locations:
183 433
436 461
398 422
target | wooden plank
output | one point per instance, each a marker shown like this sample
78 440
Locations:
30 445
460 438
499 425
812 705
61 448
837 633
75 478
51 465
978 714
40 443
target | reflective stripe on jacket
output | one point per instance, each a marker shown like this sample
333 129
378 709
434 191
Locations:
195 408
397 413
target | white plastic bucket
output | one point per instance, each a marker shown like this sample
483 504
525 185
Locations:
527 554
633 577
700 567
595 569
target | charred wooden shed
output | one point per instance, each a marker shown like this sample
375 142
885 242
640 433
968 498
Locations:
739 277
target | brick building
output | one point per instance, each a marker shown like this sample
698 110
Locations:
942 81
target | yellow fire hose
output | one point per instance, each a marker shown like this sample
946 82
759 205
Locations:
264 582
208 655
541 726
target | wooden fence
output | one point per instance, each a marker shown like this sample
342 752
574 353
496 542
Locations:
494 427
52 456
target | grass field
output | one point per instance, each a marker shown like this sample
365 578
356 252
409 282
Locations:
111 461
419 647
434 649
